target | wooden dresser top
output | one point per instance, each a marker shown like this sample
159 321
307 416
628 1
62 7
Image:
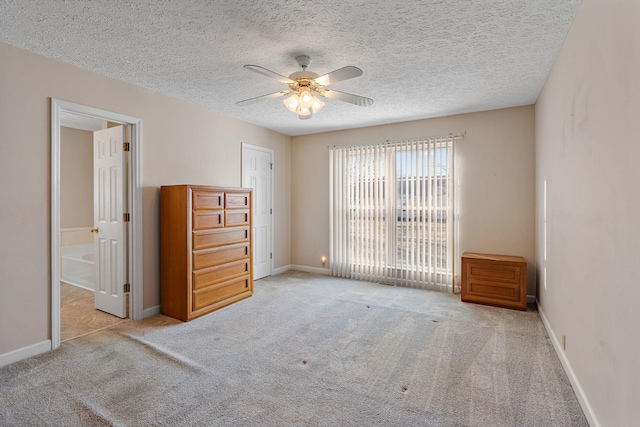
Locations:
490 257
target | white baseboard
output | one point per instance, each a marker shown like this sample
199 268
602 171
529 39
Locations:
151 311
71 283
25 352
281 270
315 270
577 388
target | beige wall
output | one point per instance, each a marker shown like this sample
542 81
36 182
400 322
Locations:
76 178
497 185
588 149
181 144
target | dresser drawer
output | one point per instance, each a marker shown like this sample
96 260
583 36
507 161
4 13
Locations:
225 236
495 291
493 272
215 256
220 291
208 276
234 218
237 200
208 199
208 219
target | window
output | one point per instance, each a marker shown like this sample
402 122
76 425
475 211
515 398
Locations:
392 212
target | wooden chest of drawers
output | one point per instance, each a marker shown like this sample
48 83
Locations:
498 280
205 249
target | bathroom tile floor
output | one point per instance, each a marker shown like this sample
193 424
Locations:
78 315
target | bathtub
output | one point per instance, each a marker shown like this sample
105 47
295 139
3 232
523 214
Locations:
78 266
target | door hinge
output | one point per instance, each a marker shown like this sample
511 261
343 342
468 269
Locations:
271 211
126 217
271 166
126 146
126 287
271 254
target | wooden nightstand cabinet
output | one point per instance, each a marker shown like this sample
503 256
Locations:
498 280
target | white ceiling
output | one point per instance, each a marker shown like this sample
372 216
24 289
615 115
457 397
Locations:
420 59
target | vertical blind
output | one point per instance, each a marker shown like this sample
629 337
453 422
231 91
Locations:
392 212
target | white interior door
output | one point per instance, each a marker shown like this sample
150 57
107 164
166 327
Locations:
108 208
257 174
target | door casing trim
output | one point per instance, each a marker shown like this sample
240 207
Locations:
135 207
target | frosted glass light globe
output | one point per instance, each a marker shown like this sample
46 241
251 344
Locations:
306 99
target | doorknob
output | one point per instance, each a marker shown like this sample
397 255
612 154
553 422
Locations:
94 229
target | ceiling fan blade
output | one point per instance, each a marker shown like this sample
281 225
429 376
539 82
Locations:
362 101
263 97
268 73
339 75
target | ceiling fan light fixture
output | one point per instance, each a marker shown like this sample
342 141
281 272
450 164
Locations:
306 98
307 115
306 88
292 103
304 104
317 104
301 111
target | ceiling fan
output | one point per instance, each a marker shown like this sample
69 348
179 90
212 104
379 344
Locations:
308 87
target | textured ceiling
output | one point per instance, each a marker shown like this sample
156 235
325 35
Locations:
420 59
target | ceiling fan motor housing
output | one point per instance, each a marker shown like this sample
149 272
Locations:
303 61
303 75
303 78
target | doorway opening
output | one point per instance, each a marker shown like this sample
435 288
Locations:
82 306
104 254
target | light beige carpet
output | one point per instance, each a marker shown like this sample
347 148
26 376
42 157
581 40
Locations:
304 350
